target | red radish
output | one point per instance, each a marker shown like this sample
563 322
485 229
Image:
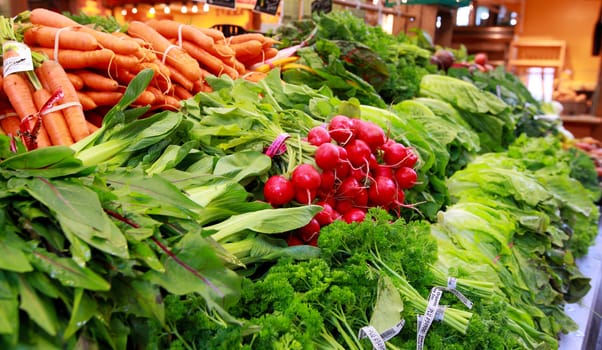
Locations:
325 216
327 181
349 188
383 190
358 152
372 134
411 159
362 198
278 190
305 176
327 156
359 173
307 232
344 205
340 130
342 170
354 215
305 196
293 240
318 135
382 170
395 154
406 177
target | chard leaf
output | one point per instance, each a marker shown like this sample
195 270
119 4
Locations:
83 309
12 257
67 271
9 303
265 221
143 252
38 308
38 158
78 211
171 157
140 298
241 165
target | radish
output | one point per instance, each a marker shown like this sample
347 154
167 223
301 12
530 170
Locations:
382 170
293 240
372 134
395 154
305 176
305 195
362 198
318 135
406 177
411 159
354 215
278 190
309 231
349 188
340 130
327 181
327 156
342 170
359 173
358 152
326 215
383 190
344 205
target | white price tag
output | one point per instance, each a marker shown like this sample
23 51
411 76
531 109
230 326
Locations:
378 340
16 57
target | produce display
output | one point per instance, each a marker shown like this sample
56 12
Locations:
327 187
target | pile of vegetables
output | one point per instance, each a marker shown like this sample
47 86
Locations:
328 204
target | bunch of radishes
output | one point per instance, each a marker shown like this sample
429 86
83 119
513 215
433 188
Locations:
356 167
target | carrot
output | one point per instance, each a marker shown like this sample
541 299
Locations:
96 81
87 102
145 98
75 59
179 78
208 61
175 56
254 76
269 53
213 33
173 30
104 98
75 80
247 49
125 60
269 42
221 51
182 93
242 38
9 121
19 93
53 74
49 18
46 37
54 122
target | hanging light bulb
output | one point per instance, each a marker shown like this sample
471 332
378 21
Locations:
184 9
152 10
135 10
124 12
194 8
206 7
166 9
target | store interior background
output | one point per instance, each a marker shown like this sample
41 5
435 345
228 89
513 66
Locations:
548 43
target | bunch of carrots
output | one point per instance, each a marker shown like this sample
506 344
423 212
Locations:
92 68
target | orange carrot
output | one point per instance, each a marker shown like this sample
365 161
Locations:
213 33
46 37
97 81
242 38
175 56
19 93
9 120
54 122
145 98
56 78
87 102
269 53
208 61
104 98
247 49
254 76
50 18
179 78
221 51
75 80
182 93
173 30
74 59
